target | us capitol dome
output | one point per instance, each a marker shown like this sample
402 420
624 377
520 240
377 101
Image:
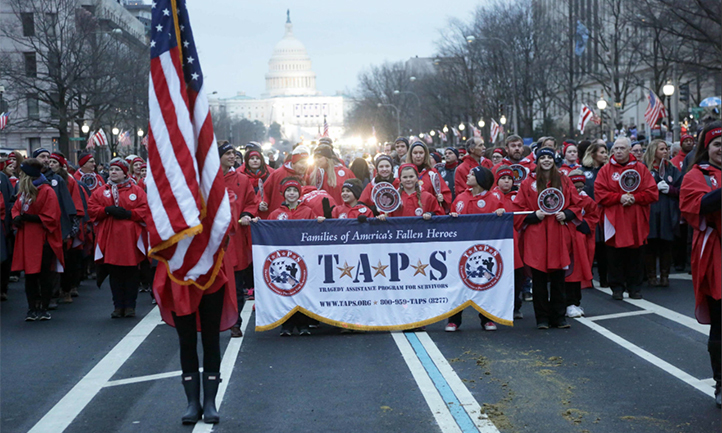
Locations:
290 98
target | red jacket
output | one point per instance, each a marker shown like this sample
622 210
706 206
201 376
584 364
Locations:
342 174
549 242
344 211
302 212
313 198
271 188
678 160
527 163
467 203
366 194
410 205
706 257
508 202
584 244
119 241
78 175
462 171
566 168
31 237
245 204
625 226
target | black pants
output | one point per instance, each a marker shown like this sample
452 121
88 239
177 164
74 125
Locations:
298 320
146 273
550 303
626 268
518 287
39 287
124 285
5 274
209 311
574 293
240 295
680 251
714 344
456 318
71 275
600 255
658 248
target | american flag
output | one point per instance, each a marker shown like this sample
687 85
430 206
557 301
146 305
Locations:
124 139
3 120
325 128
495 130
455 131
144 141
655 109
585 115
477 131
190 219
442 135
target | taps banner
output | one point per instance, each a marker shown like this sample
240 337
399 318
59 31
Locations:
380 276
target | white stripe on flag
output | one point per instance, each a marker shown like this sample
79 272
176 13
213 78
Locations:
160 216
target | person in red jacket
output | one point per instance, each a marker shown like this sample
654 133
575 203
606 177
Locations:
254 165
328 173
701 204
86 172
320 202
244 208
38 241
515 157
384 173
686 144
73 244
570 153
429 179
625 216
414 201
474 158
476 199
550 234
119 209
269 194
352 207
583 246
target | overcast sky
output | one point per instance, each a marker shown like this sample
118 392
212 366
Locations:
235 38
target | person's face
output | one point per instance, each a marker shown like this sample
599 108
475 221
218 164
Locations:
546 162
621 152
572 154
450 156
347 196
418 156
143 172
11 163
637 151
715 151
408 179
579 186
600 157
400 148
254 162
385 169
514 150
548 143
228 159
478 150
388 148
54 165
301 166
89 166
44 158
471 179
505 183
687 145
115 174
291 195
496 158
662 152
136 167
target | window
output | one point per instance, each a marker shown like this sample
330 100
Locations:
28 24
33 143
31 65
52 23
33 108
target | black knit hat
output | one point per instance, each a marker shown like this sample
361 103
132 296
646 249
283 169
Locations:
455 150
383 157
355 186
484 177
224 147
544 151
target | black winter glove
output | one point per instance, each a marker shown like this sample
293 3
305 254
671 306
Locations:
118 212
31 218
532 219
18 221
326 208
362 218
584 228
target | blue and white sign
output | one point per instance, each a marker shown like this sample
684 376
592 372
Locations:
398 274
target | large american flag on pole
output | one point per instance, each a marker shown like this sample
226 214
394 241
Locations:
655 109
186 192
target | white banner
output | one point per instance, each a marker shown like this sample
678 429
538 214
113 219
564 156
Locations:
393 275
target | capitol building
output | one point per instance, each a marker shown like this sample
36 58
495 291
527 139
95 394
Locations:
291 98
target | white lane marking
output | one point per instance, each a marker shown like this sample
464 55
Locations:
619 315
143 378
710 381
227 363
65 411
681 277
467 400
652 359
664 312
438 407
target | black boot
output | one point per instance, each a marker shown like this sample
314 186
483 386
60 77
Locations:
210 389
192 387
715 356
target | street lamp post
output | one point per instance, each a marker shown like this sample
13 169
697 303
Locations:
140 137
418 100
398 120
668 91
602 105
115 132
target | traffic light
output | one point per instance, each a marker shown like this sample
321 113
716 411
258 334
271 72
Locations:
684 92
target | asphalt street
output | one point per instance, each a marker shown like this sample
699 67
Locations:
637 366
